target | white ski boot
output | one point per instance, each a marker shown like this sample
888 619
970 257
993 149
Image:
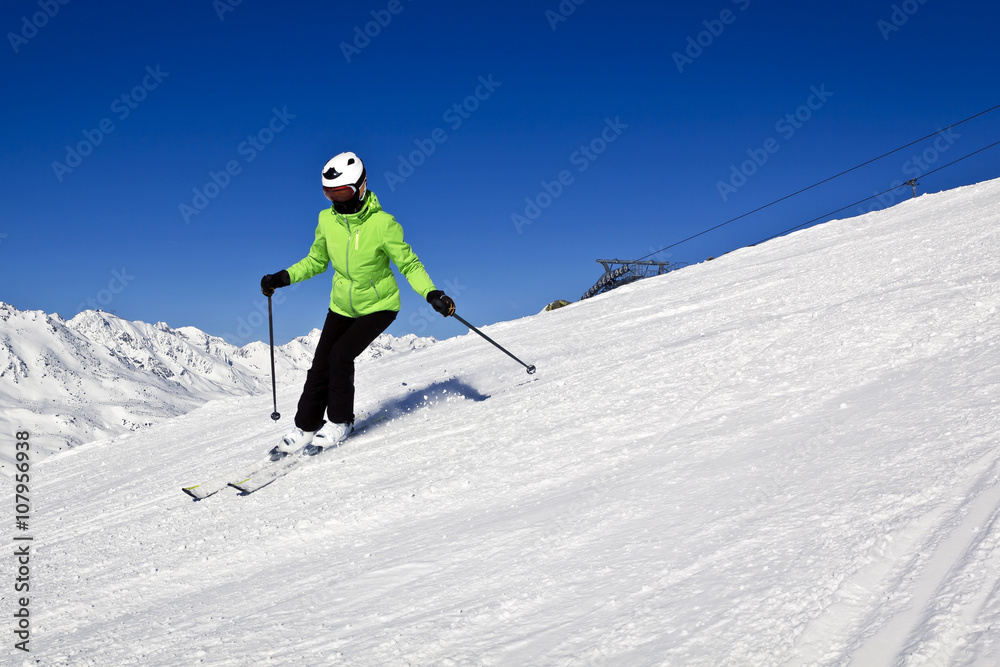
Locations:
329 437
294 441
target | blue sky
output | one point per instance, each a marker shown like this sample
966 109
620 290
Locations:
159 158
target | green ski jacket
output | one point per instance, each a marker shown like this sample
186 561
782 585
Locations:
359 246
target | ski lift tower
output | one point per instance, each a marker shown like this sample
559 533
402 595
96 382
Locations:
618 272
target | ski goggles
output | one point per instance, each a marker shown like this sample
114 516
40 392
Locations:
340 194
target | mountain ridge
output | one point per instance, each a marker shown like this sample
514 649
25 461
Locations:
97 375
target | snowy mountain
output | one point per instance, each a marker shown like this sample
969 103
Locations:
786 456
97 375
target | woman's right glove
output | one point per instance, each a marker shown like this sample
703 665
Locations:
441 302
272 281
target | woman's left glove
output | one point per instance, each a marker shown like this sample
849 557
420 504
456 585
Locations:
441 302
272 281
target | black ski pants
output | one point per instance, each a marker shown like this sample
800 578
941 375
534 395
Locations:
330 382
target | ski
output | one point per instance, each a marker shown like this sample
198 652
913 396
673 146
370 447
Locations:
260 473
213 486
262 478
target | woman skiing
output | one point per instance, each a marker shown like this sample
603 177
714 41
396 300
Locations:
359 239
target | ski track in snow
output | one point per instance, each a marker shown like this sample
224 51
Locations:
785 456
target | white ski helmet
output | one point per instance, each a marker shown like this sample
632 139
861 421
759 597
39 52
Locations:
344 179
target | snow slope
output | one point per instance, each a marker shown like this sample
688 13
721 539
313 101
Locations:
786 456
97 375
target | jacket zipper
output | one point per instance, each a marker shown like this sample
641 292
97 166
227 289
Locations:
377 295
347 268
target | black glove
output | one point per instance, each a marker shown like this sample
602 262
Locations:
272 281
441 302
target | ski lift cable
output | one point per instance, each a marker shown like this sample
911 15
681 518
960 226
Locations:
826 180
804 224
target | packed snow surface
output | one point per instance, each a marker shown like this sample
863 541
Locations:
786 456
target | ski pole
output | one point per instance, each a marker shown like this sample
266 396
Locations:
274 386
531 369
